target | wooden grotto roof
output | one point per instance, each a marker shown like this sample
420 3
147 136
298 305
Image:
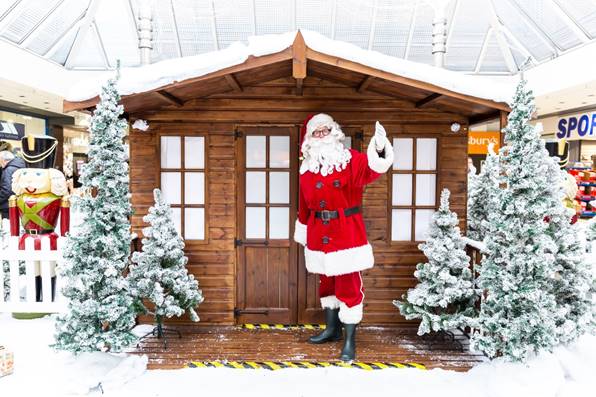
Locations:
299 62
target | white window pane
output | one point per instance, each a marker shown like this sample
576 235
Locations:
255 187
423 218
426 154
194 188
279 222
171 186
279 152
194 152
401 225
348 142
255 222
279 187
402 153
425 189
194 223
255 151
170 152
177 216
402 189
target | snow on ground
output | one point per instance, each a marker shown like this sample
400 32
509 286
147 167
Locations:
145 78
41 371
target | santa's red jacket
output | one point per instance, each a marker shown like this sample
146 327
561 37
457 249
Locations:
339 246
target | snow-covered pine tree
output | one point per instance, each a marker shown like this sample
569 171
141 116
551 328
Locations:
100 312
159 273
482 193
444 297
573 280
517 316
591 231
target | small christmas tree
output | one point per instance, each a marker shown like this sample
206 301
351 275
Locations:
517 315
444 297
100 312
482 193
158 273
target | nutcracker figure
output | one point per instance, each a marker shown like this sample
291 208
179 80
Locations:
330 224
40 199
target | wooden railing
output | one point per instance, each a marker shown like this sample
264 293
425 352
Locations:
40 281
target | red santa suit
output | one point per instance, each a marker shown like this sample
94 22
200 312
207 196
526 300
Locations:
330 224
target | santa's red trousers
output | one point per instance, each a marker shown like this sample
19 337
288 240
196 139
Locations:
344 292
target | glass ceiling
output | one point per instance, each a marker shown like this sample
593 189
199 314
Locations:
483 36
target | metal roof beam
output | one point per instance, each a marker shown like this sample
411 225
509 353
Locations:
8 11
451 25
178 45
482 53
503 45
333 19
571 23
535 28
26 40
101 46
83 31
411 30
371 33
134 25
214 27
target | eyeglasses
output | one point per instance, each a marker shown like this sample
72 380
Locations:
321 132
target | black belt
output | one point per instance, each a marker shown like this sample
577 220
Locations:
326 215
34 232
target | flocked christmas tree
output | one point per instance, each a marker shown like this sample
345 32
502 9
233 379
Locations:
100 312
159 273
444 297
591 230
482 193
573 282
517 315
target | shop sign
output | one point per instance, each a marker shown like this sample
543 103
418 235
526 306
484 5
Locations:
478 141
577 127
11 131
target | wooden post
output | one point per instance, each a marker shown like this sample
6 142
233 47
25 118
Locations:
299 62
502 124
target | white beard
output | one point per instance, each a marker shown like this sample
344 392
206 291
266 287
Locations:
325 155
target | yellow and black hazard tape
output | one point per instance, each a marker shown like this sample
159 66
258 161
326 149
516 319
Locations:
283 326
275 365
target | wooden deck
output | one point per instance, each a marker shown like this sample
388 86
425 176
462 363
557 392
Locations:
374 344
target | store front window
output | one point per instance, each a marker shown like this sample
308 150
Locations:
14 126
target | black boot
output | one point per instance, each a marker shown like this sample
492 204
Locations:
332 331
348 353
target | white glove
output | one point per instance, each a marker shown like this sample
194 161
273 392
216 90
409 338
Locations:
380 136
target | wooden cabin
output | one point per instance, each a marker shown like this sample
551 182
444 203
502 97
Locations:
224 148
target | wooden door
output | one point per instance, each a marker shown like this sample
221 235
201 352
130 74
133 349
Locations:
267 159
309 306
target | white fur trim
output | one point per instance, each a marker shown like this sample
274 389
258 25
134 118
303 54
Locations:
330 302
350 315
376 163
300 232
317 121
339 262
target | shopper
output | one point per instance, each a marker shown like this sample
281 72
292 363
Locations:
9 163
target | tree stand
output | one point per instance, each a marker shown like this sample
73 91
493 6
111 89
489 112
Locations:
160 332
433 339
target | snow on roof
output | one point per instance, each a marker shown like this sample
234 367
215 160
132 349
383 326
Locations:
140 79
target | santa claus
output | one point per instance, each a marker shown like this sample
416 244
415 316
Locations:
330 225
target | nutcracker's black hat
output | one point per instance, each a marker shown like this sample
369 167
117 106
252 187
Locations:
559 149
39 151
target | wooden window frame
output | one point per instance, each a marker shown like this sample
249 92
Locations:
183 170
412 207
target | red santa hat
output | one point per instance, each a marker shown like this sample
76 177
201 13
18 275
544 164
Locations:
313 122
